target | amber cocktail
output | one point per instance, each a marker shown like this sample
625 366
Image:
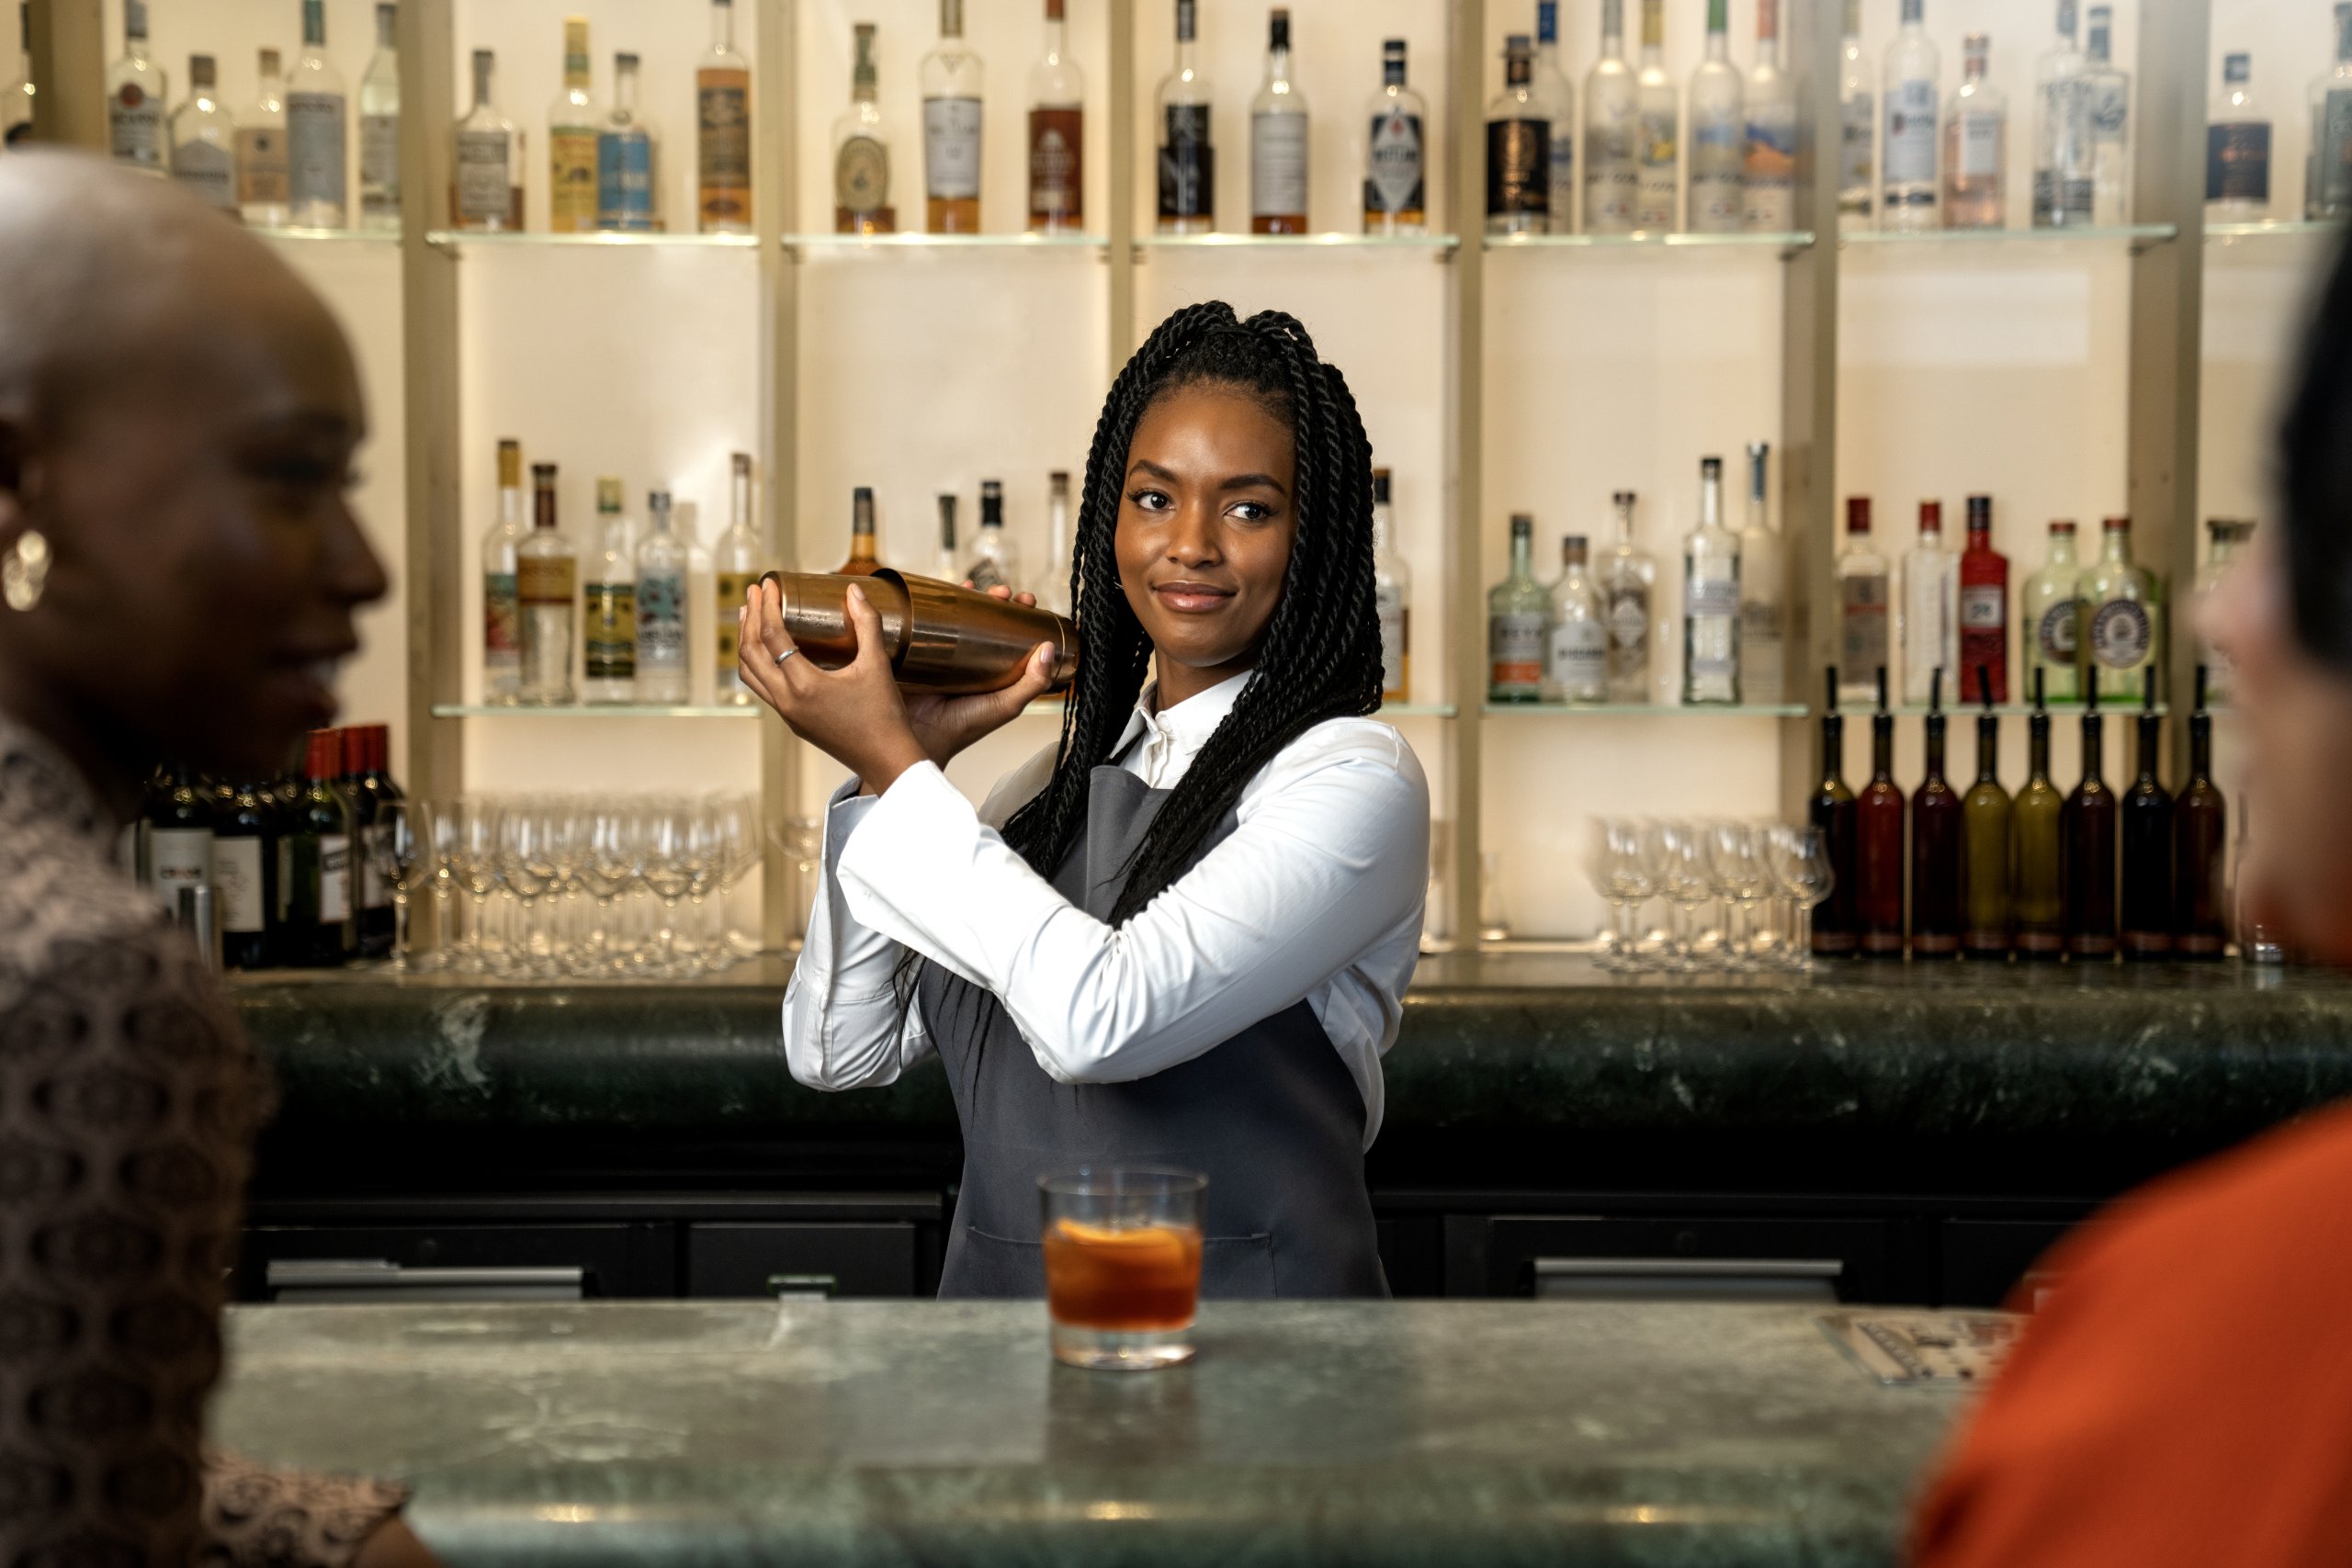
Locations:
1122 1265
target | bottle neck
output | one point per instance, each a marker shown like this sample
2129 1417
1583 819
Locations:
1625 524
659 519
1278 63
2061 549
1972 68
1833 749
1612 29
2036 748
722 29
1989 750
1882 748
2151 738
1980 538
1936 725
2200 746
2342 36
1711 501
2094 745
1653 31
625 88
1522 554
741 504
1057 37
482 69
2116 546
314 25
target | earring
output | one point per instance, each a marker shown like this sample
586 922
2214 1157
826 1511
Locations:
24 571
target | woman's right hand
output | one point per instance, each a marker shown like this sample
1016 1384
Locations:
946 725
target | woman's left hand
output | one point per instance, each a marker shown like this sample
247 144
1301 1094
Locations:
854 715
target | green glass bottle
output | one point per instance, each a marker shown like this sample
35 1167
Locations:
1984 816
2037 871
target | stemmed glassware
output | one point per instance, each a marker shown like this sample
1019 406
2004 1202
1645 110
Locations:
406 860
1687 878
1736 869
1800 863
1625 874
473 860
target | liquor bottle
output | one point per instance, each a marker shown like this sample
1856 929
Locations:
723 130
2087 828
996 563
1985 605
17 93
1278 141
948 567
1576 664
502 613
351 746
1938 832
1057 134
2108 104
2037 856
2237 149
2146 813
1908 188
314 866
1976 145
1929 628
1628 588
1878 842
244 877
1392 591
1611 131
1770 171
2229 536
1518 613
204 139
2201 822
1857 134
1187 158
1053 592
2327 182
573 125
735 566
1718 133
1558 101
608 613
178 823
1762 647
628 159
379 128
860 158
136 91
263 173
661 607
1659 142
488 174
547 584
2050 611
1985 822
1394 183
1519 149
2119 619
318 131
1710 597
862 560
951 79
1865 604
378 921
1837 924
2061 129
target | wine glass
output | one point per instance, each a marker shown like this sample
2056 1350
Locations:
802 839
1687 880
1801 864
473 860
706 848
526 866
611 862
1736 867
1620 874
739 827
403 852
669 831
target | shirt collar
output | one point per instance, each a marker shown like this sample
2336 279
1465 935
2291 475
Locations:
1174 736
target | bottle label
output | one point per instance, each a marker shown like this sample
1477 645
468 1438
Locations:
1718 158
375 855
207 171
2062 174
662 621
1277 165
1861 625
1393 175
572 181
2059 635
485 183
986 573
1759 622
723 145
502 618
379 166
545 580
1612 172
262 168
1580 658
861 176
1628 625
1980 145
2108 104
2237 163
1515 652
1660 143
177 858
608 651
732 585
1710 598
625 181
1560 157
1519 179
1857 131
1057 164
315 136
2332 161
1982 607
1911 133
951 149
2119 633
335 878
1187 164
1771 168
135 127
237 891
1395 627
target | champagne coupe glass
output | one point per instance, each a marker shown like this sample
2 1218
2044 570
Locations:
669 827
1736 868
1800 859
404 859
1687 882
475 861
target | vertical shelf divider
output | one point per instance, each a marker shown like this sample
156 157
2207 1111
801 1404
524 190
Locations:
1119 228
69 66
1465 456
776 212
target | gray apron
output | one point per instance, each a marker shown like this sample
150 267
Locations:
1271 1117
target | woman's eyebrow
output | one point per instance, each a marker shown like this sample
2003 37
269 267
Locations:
1255 481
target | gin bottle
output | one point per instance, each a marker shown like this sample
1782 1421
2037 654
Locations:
861 157
1718 133
2237 149
661 608
1187 156
723 129
1628 589
317 130
2119 616
1396 198
547 588
608 608
1857 134
1931 629
488 172
1658 145
204 139
1865 607
1057 133
951 129
379 128
2050 610
261 151
1278 141
1908 191
1519 148
1611 131
574 122
628 159
1518 615
1710 598
1559 102
2327 185
135 96
2062 131
735 566
502 615
2108 104
1053 591
1392 593
1763 650
1976 145
1771 162
1576 664
948 564
995 563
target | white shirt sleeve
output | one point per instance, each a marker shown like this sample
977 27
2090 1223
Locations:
1330 856
843 1026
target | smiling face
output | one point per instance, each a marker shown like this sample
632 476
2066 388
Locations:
1205 532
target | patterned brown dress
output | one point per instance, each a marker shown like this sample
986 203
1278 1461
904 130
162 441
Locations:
129 1099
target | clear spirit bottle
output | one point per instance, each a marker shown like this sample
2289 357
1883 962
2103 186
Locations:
1771 98
723 130
609 605
1857 128
204 139
1611 131
502 615
2120 622
1658 146
1392 593
1396 198
1278 141
574 124
318 131
17 93
735 564
1908 191
861 157
1718 133
2061 129
951 80
661 607
1929 628
2327 184
628 159
379 128
547 588
1763 650
1865 608
1559 103
2237 149
2228 536
135 90
862 560
2050 611
1519 148
1977 144
1575 665
2108 103
1053 593
1187 156
261 151
1628 591
1710 598
1057 133
488 172
948 564
995 563
1518 613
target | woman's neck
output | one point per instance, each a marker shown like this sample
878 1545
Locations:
1173 684
114 779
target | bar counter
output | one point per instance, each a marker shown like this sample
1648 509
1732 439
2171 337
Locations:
1465 1433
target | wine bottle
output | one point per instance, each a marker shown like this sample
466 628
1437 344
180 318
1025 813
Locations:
1836 929
2201 846
1935 831
2146 811
179 837
2037 860
1984 814
244 871
1878 835
2087 828
373 789
314 865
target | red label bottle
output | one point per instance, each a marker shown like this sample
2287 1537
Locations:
1985 603
1878 846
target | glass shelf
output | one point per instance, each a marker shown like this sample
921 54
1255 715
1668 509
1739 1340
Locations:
2280 229
592 710
388 239
600 240
2137 234
1647 710
1794 241
946 241
1326 242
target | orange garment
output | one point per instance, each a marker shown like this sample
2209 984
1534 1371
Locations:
2184 1397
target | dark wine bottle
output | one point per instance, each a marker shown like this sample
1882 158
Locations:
179 836
1878 842
2145 812
1836 927
366 788
1984 816
2037 859
2087 828
1936 849
2201 822
245 868
314 865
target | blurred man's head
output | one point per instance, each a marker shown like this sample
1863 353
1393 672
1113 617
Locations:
177 417
2284 619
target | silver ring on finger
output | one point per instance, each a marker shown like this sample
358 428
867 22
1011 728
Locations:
785 654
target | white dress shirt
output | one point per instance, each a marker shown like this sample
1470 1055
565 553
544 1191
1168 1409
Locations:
1315 895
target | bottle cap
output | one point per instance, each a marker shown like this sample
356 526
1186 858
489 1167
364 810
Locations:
2237 67
1980 513
1574 548
1711 468
1858 514
355 750
200 70
1523 525
1380 487
2117 526
324 758
609 494
1931 518
2062 527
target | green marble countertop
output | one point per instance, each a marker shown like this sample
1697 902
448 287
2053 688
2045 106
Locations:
886 1433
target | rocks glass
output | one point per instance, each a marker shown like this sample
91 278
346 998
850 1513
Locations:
1123 1265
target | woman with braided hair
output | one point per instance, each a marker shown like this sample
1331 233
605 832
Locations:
1181 935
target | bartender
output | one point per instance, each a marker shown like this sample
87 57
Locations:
1180 937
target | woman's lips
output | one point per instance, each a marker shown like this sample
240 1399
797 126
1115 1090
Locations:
1192 598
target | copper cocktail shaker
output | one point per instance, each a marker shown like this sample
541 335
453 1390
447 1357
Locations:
941 638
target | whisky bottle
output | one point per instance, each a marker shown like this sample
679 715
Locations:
1878 842
1278 141
608 634
204 139
2201 847
1611 134
1558 102
1518 611
2119 617
1864 603
860 158
995 562
1518 177
1718 133
317 130
735 566
1187 159
1930 631
1659 142
488 169
1628 589
2037 855
951 129
2086 827
1771 157
1984 821
661 608
1938 847
1836 927
1575 665
1394 181
136 91
2049 613
1763 646
2146 817
948 565
1053 590
1710 651
628 161
1985 605
502 613
572 130
723 130
262 170
1908 191
1392 593
862 560
1976 139
547 588
1057 133
379 127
